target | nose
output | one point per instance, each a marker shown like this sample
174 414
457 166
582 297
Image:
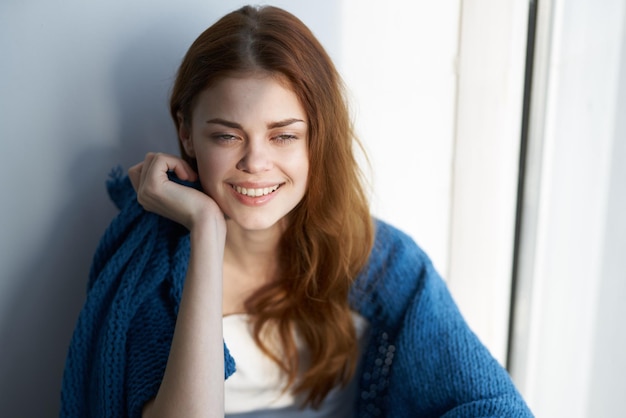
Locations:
256 157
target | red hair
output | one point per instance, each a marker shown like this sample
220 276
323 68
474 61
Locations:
330 234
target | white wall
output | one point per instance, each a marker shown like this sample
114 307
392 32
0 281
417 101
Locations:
399 64
84 87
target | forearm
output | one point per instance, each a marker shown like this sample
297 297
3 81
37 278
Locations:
193 383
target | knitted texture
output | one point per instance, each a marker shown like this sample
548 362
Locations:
422 360
112 368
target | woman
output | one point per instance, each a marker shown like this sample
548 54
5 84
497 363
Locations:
260 236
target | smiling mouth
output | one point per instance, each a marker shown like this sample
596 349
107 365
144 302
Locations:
263 191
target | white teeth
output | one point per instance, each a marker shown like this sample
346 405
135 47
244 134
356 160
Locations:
256 192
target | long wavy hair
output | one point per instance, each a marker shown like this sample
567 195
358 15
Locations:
330 233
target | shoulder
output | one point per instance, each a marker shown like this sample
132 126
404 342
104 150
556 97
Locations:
396 253
394 275
120 188
134 235
391 241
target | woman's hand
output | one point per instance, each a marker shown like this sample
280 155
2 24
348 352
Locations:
158 194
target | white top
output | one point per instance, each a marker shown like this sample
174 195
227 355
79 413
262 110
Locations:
256 389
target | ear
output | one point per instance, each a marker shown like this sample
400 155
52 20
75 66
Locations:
184 135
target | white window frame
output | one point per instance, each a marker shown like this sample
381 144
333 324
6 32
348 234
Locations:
492 56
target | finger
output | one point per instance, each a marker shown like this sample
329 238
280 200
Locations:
147 172
184 171
164 163
134 174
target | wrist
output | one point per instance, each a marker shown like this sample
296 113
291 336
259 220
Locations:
208 224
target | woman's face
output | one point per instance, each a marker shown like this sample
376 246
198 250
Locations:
249 136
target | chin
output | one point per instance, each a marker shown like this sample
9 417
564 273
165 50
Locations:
256 223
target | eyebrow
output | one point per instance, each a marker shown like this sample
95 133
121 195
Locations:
272 125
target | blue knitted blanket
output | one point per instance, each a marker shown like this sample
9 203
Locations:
422 359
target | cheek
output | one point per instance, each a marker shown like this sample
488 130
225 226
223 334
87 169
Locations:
299 168
303 166
304 172
210 169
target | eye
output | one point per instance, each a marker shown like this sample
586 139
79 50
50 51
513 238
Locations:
224 138
284 138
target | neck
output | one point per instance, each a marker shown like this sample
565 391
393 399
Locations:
253 253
